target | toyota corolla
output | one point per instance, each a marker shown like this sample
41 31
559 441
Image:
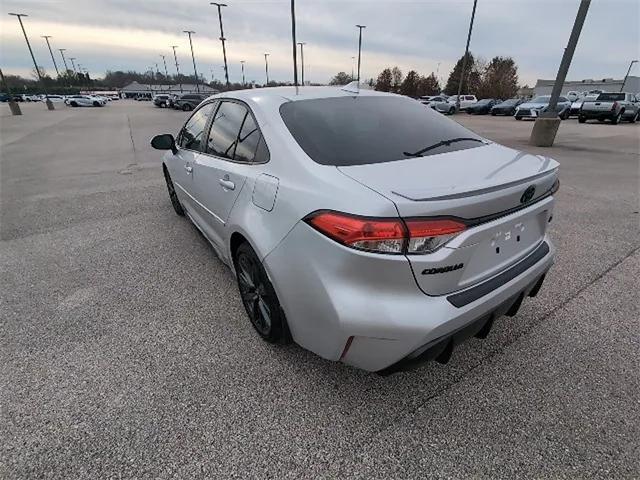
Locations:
359 224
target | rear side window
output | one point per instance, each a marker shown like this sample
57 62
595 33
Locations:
363 130
610 97
193 131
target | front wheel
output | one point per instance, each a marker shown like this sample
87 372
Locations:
518 118
96 104
581 119
74 104
186 107
259 297
177 206
452 110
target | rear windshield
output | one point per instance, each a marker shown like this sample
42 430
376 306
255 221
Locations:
611 96
344 131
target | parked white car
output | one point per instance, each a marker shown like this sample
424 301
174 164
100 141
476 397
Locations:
53 98
465 100
85 101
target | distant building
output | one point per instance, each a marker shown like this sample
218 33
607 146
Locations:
134 89
544 87
525 92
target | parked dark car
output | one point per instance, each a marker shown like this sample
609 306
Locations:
161 100
482 107
508 107
4 97
188 101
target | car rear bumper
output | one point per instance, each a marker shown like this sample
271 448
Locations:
606 115
366 309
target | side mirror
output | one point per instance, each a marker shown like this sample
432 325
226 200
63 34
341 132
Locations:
164 142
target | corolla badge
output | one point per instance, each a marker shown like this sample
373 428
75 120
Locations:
528 194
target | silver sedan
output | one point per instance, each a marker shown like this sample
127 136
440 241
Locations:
361 225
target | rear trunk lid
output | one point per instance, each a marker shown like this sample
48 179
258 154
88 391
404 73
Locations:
502 194
597 106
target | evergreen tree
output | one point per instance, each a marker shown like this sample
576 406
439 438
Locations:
384 81
454 77
409 86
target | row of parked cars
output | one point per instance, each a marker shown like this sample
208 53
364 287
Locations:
184 101
71 100
597 105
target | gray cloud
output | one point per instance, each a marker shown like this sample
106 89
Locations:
414 34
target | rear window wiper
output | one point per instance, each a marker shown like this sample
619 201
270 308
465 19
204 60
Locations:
441 144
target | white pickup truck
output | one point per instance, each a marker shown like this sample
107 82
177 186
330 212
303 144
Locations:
610 106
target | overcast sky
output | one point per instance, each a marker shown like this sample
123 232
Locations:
425 35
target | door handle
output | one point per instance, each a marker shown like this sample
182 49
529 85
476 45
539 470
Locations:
228 184
188 169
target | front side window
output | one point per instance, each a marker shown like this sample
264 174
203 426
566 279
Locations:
193 131
235 135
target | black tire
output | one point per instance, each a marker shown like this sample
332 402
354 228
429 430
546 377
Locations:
581 119
493 114
177 206
96 104
616 120
74 104
634 119
518 118
259 297
186 107
565 115
452 110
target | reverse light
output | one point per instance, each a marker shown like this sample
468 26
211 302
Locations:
383 235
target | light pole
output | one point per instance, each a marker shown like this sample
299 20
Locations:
293 37
64 60
222 39
546 126
13 106
627 75
73 63
55 65
242 63
353 61
360 27
466 54
266 67
175 57
166 72
302 44
44 89
193 57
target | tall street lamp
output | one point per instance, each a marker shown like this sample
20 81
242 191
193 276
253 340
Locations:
55 65
266 67
360 27
175 57
627 75
353 60
222 39
302 44
164 61
13 106
242 63
48 101
64 60
466 54
293 37
73 64
195 71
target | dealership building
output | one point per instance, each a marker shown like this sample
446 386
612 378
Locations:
135 89
632 85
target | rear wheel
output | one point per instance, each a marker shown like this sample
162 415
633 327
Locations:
616 120
518 118
177 206
452 110
581 119
258 296
74 104
96 104
186 107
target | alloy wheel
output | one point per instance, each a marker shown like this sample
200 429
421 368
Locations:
253 292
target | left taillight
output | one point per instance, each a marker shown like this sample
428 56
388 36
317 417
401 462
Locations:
372 234
383 235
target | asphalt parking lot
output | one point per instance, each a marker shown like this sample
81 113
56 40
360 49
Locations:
125 351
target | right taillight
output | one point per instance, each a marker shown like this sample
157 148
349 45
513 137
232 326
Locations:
384 235
426 236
